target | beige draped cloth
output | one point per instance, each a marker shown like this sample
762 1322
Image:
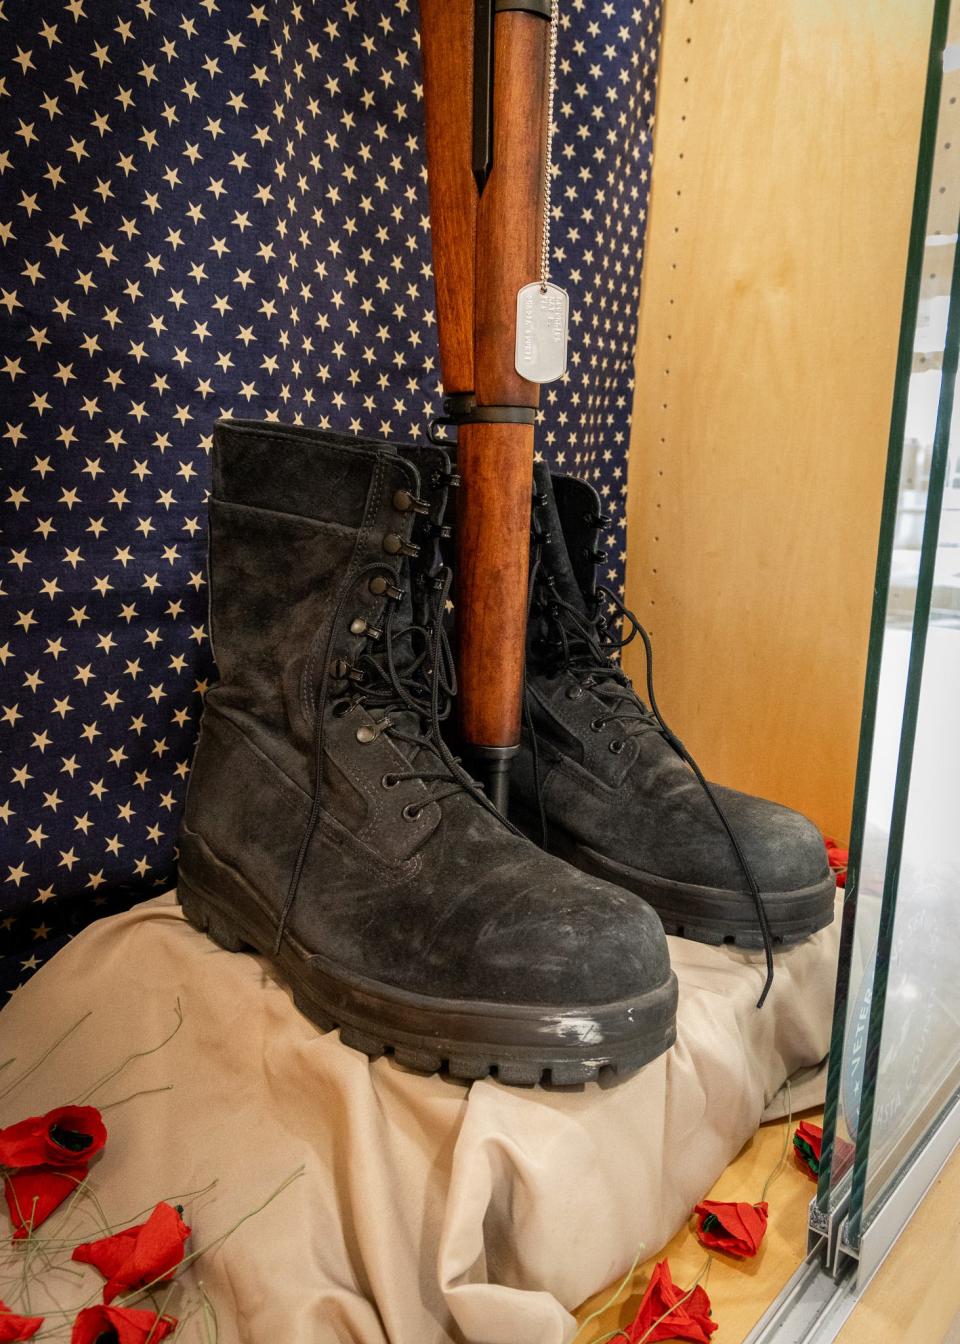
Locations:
427 1210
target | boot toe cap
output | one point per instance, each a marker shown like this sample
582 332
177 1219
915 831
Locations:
784 849
527 929
569 939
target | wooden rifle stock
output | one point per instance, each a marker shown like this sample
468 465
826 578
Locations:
446 47
485 248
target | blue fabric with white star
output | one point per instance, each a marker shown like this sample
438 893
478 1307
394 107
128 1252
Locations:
220 208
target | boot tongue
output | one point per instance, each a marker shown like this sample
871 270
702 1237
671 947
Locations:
556 556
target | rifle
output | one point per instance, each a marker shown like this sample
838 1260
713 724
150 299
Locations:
485 76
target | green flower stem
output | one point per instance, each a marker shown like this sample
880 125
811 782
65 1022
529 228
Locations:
46 1055
783 1152
188 1259
137 1054
63 1243
705 1270
606 1306
145 1092
161 1311
209 1317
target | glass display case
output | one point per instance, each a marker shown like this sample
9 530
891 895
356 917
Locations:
892 1115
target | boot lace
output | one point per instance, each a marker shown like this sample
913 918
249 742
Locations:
423 683
409 675
587 646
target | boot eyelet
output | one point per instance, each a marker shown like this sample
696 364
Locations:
596 725
394 544
369 732
360 626
575 693
390 781
344 671
381 587
405 500
411 812
617 745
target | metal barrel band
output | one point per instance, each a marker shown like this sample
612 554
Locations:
481 415
543 8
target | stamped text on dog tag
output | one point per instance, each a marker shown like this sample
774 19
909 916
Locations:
542 317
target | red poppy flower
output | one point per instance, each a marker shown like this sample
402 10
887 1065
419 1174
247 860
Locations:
138 1255
61 1138
807 1143
735 1228
33 1195
120 1325
683 1320
838 859
14 1327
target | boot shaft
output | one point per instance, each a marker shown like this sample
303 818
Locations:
567 521
302 525
315 613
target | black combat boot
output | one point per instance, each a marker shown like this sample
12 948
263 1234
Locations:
615 792
327 825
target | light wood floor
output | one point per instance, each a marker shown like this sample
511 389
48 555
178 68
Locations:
914 1298
740 1291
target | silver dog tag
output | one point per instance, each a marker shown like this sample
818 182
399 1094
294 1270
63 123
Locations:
542 318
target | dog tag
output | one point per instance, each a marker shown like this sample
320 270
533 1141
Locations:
542 317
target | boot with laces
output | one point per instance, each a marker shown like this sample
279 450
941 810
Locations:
602 780
329 828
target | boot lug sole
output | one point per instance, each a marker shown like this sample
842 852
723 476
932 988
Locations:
467 1041
709 914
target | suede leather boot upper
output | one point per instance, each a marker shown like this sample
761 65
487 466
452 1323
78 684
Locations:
619 795
328 827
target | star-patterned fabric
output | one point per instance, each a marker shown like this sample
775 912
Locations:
219 207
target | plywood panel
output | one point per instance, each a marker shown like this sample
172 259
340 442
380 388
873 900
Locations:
783 179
